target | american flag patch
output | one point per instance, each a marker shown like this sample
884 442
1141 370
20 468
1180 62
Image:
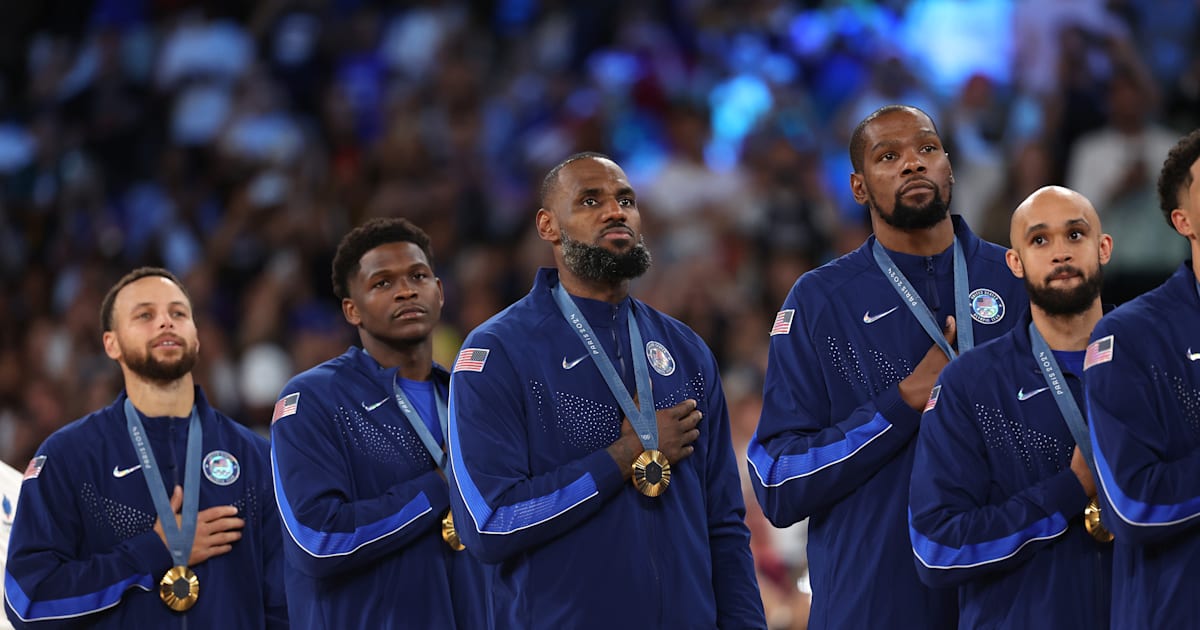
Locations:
471 360
1099 351
35 467
286 406
783 322
933 396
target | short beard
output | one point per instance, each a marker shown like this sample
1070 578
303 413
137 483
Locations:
1063 302
906 217
151 369
595 263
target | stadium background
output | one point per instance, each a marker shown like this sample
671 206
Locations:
235 142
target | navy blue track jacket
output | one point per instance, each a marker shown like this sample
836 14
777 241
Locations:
835 441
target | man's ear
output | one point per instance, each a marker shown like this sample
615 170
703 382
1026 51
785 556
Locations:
547 226
111 347
859 188
1013 260
350 312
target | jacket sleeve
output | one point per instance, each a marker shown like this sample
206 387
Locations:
501 509
47 579
1147 494
739 603
274 596
329 528
801 459
957 532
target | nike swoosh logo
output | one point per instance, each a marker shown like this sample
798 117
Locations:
570 364
1194 356
375 406
121 472
1024 395
868 318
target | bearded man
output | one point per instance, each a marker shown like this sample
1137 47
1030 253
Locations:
157 510
1002 503
590 442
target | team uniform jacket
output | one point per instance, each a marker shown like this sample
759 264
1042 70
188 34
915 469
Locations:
534 490
84 552
361 503
835 441
994 506
1142 378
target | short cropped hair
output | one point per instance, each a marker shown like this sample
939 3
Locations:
362 239
110 298
1176 174
551 177
858 140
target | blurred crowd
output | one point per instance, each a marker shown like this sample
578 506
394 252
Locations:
235 142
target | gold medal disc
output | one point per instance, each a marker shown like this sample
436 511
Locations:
179 588
1091 522
450 533
651 473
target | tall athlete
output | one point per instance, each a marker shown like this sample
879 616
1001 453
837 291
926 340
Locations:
1001 485
156 511
590 440
359 443
855 351
1142 375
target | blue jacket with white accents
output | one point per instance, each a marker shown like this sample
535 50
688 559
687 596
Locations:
534 490
994 506
835 441
361 502
83 549
1144 416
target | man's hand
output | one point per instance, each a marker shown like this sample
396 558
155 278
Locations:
677 430
1083 473
915 387
217 528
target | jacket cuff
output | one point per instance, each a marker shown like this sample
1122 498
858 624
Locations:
1065 494
149 554
892 407
609 478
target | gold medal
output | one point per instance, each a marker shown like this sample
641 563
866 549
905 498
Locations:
450 534
179 588
651 473
1091 522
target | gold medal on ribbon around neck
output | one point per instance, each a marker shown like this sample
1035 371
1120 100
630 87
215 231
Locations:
179 588
450 533
651 473
1091 522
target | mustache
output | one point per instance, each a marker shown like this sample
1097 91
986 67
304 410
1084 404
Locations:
1064 270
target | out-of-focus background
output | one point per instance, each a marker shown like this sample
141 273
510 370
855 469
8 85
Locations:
235 142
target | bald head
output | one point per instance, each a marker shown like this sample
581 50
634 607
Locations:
1051 206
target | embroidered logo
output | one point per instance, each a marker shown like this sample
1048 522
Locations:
933 397
1193 356
373 407
1024 395
986 306
660 358
868 318
570 364
35 467
119 472
221 468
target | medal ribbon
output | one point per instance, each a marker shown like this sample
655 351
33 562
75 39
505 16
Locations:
1062 396
962 306
179 539
418 425
642 419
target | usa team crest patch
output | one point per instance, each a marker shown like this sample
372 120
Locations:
286 406
35 467
933 397
987 307
783 322
221 468
1099 351
471 360
660 358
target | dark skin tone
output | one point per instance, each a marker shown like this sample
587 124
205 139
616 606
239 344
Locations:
903 154
594 203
